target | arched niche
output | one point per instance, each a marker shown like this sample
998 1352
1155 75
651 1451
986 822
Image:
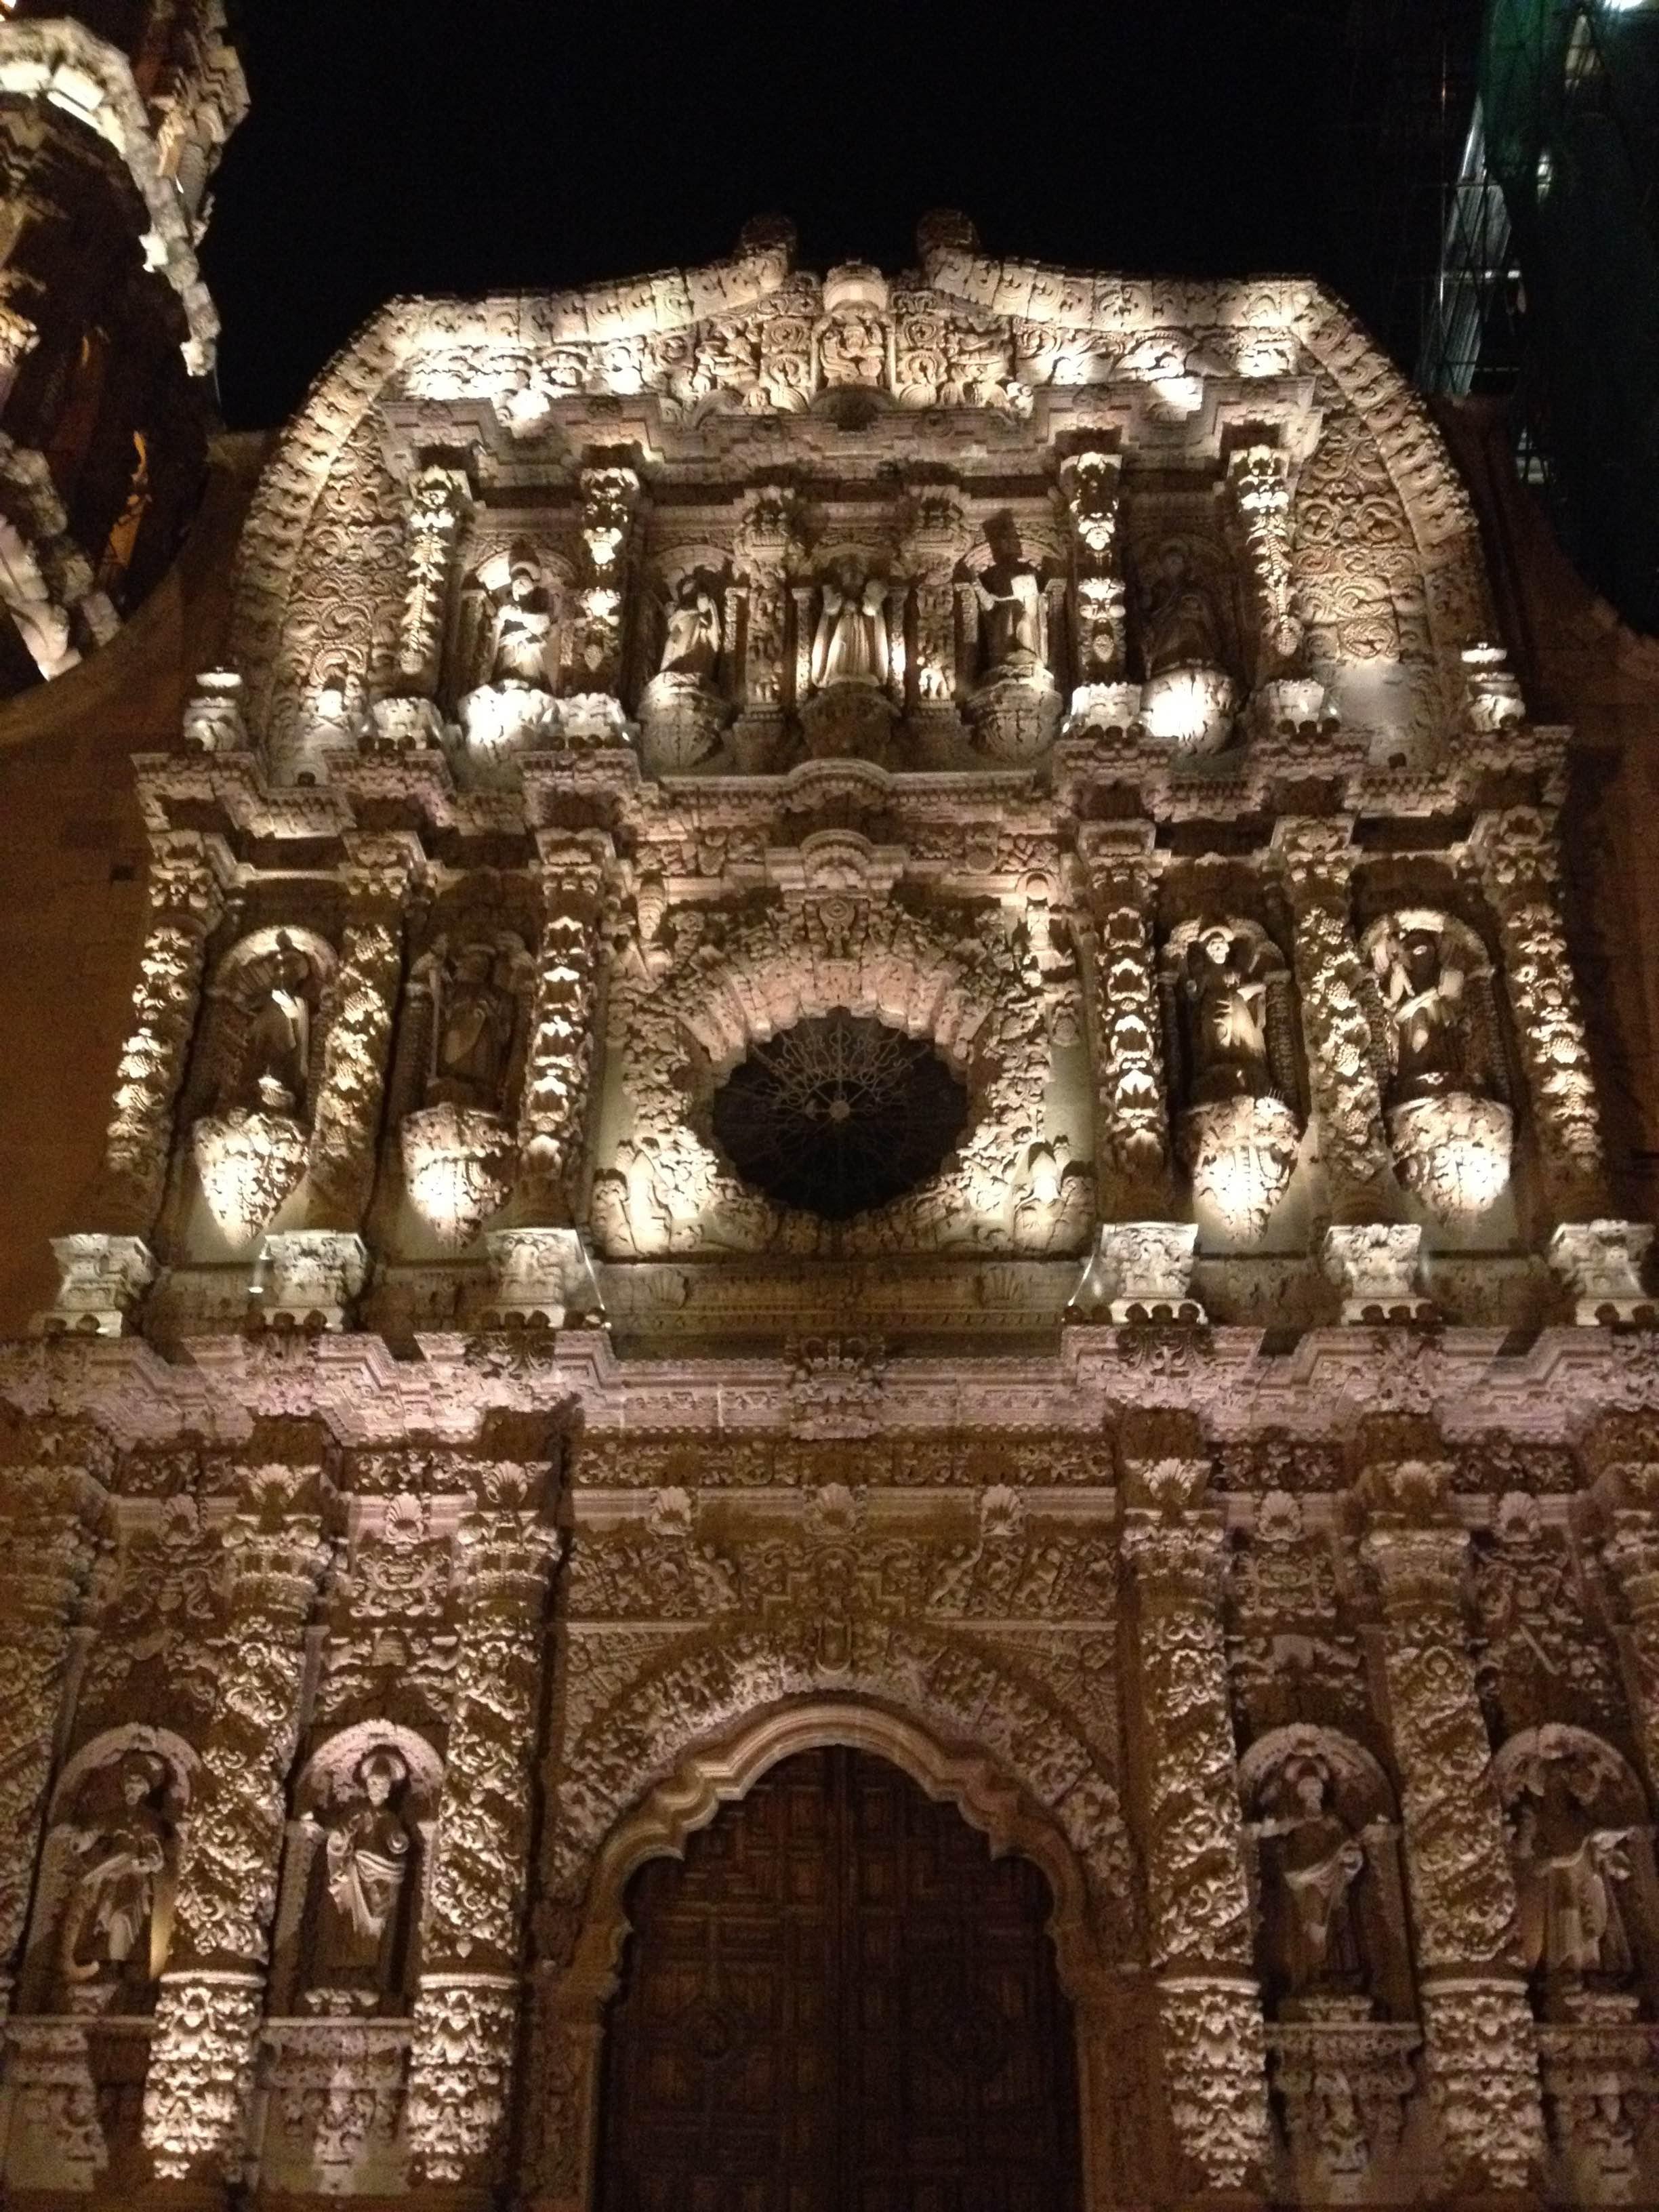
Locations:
568 2029
108 1874
1330 1906
332 1792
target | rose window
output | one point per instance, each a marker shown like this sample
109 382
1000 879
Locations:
840 1113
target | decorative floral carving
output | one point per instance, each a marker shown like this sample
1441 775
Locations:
460 2067
1215 2062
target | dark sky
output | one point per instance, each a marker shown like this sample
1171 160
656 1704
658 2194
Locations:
466 145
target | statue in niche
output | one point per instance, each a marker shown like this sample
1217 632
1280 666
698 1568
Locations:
851 645
361 1884
691 645
1179 627
476 1018
1569 1865
1440 1060
1424 990
277 1041
1010 596
1225 996
115 1922
1312 1862
522 629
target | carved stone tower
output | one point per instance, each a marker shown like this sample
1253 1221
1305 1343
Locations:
855 1045
111 121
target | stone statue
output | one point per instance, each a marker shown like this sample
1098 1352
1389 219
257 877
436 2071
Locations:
475 1019
1567 1865
1425 994
1312 1863
524 625
108 1931
692 645
1009 597
1179 629
1226 1004
851 646
368 1850
276 1042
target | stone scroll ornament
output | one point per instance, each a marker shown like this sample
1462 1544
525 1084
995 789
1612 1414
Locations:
47 1546
1315 861
1215 2050
200 2081
466 2005
1478 2030
184 908
1115 881
1228 1015
1518 854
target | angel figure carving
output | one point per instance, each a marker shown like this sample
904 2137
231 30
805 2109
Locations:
111 1929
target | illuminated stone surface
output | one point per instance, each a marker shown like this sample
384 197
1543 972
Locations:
1222 1459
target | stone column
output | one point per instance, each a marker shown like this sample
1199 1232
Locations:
1624 1452
1316 859
184 908
1116 880
936 539
1089 483
48 1509
1478 2028
763 546
1198 1891
200 2083
467 2006
609 498
358 1047
1259 478
552 1120
438 502
1518 856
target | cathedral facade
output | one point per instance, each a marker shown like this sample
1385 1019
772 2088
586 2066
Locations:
858 1160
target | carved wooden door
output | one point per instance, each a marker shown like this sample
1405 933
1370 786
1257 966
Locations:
839 2002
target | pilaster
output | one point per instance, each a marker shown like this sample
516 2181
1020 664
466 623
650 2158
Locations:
1517 854
346 1128
1315 858
184 909
552 1121
1480 2043
200 2083
1116 873
1199 1904
467 2004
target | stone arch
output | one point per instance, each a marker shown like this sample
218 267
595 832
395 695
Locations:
836 950
718 1771
709 1685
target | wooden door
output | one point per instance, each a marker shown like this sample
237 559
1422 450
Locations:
838 2002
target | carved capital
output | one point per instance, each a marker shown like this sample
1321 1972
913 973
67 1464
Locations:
1215 2064
460 2070
1483 2078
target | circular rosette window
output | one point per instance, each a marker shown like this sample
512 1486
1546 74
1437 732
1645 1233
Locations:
840 1113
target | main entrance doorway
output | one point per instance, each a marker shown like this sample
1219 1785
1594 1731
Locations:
839 2002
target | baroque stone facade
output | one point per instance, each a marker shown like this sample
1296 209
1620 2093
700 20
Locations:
856 1027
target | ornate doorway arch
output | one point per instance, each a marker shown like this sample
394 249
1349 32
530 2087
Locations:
660 1825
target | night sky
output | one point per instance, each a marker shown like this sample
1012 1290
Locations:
471 145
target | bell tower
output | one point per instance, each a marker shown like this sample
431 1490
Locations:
112 122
